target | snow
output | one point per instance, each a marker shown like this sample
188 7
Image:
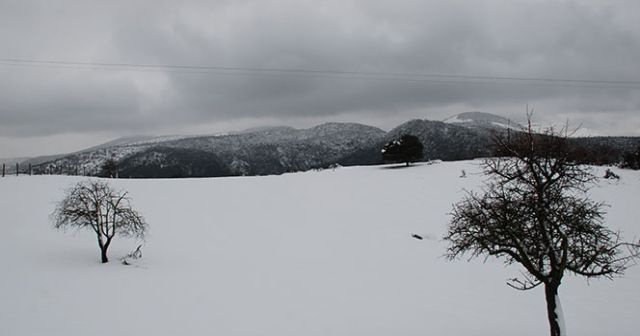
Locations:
515 127
457 120
315 253
482 119
560 315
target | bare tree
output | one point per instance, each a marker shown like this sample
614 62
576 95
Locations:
93 204
534 211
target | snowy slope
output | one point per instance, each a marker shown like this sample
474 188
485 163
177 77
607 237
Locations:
315 253
272 150
446 141
483 120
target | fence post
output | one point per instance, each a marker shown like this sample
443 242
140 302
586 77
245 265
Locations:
17 169
30 170
3 170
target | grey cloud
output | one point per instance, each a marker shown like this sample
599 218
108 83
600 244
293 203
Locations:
537 39
38 102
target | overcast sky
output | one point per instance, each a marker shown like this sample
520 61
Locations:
363 61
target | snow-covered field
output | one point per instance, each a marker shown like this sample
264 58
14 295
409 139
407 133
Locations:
316 253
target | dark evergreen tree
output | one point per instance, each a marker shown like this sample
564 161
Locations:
109 168
631 159
407 149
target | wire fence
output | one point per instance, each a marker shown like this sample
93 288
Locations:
29 170
10 169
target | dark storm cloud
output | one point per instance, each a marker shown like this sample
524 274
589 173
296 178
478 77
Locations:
531 39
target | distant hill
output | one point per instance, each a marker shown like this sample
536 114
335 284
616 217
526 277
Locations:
273 150
163 162
281 149
445 141
483 120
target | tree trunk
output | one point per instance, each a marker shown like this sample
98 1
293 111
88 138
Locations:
103 249
103 254
553 310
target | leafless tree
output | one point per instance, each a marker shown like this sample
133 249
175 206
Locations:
93 204
535 211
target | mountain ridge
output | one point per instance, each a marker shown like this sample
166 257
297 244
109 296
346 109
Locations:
477 119
281 149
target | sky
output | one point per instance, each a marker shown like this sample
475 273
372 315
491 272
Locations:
77 73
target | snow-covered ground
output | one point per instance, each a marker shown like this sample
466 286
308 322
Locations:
315 253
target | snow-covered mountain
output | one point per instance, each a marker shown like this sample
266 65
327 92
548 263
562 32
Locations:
446 141
116 148
276 150
272 150
483 120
